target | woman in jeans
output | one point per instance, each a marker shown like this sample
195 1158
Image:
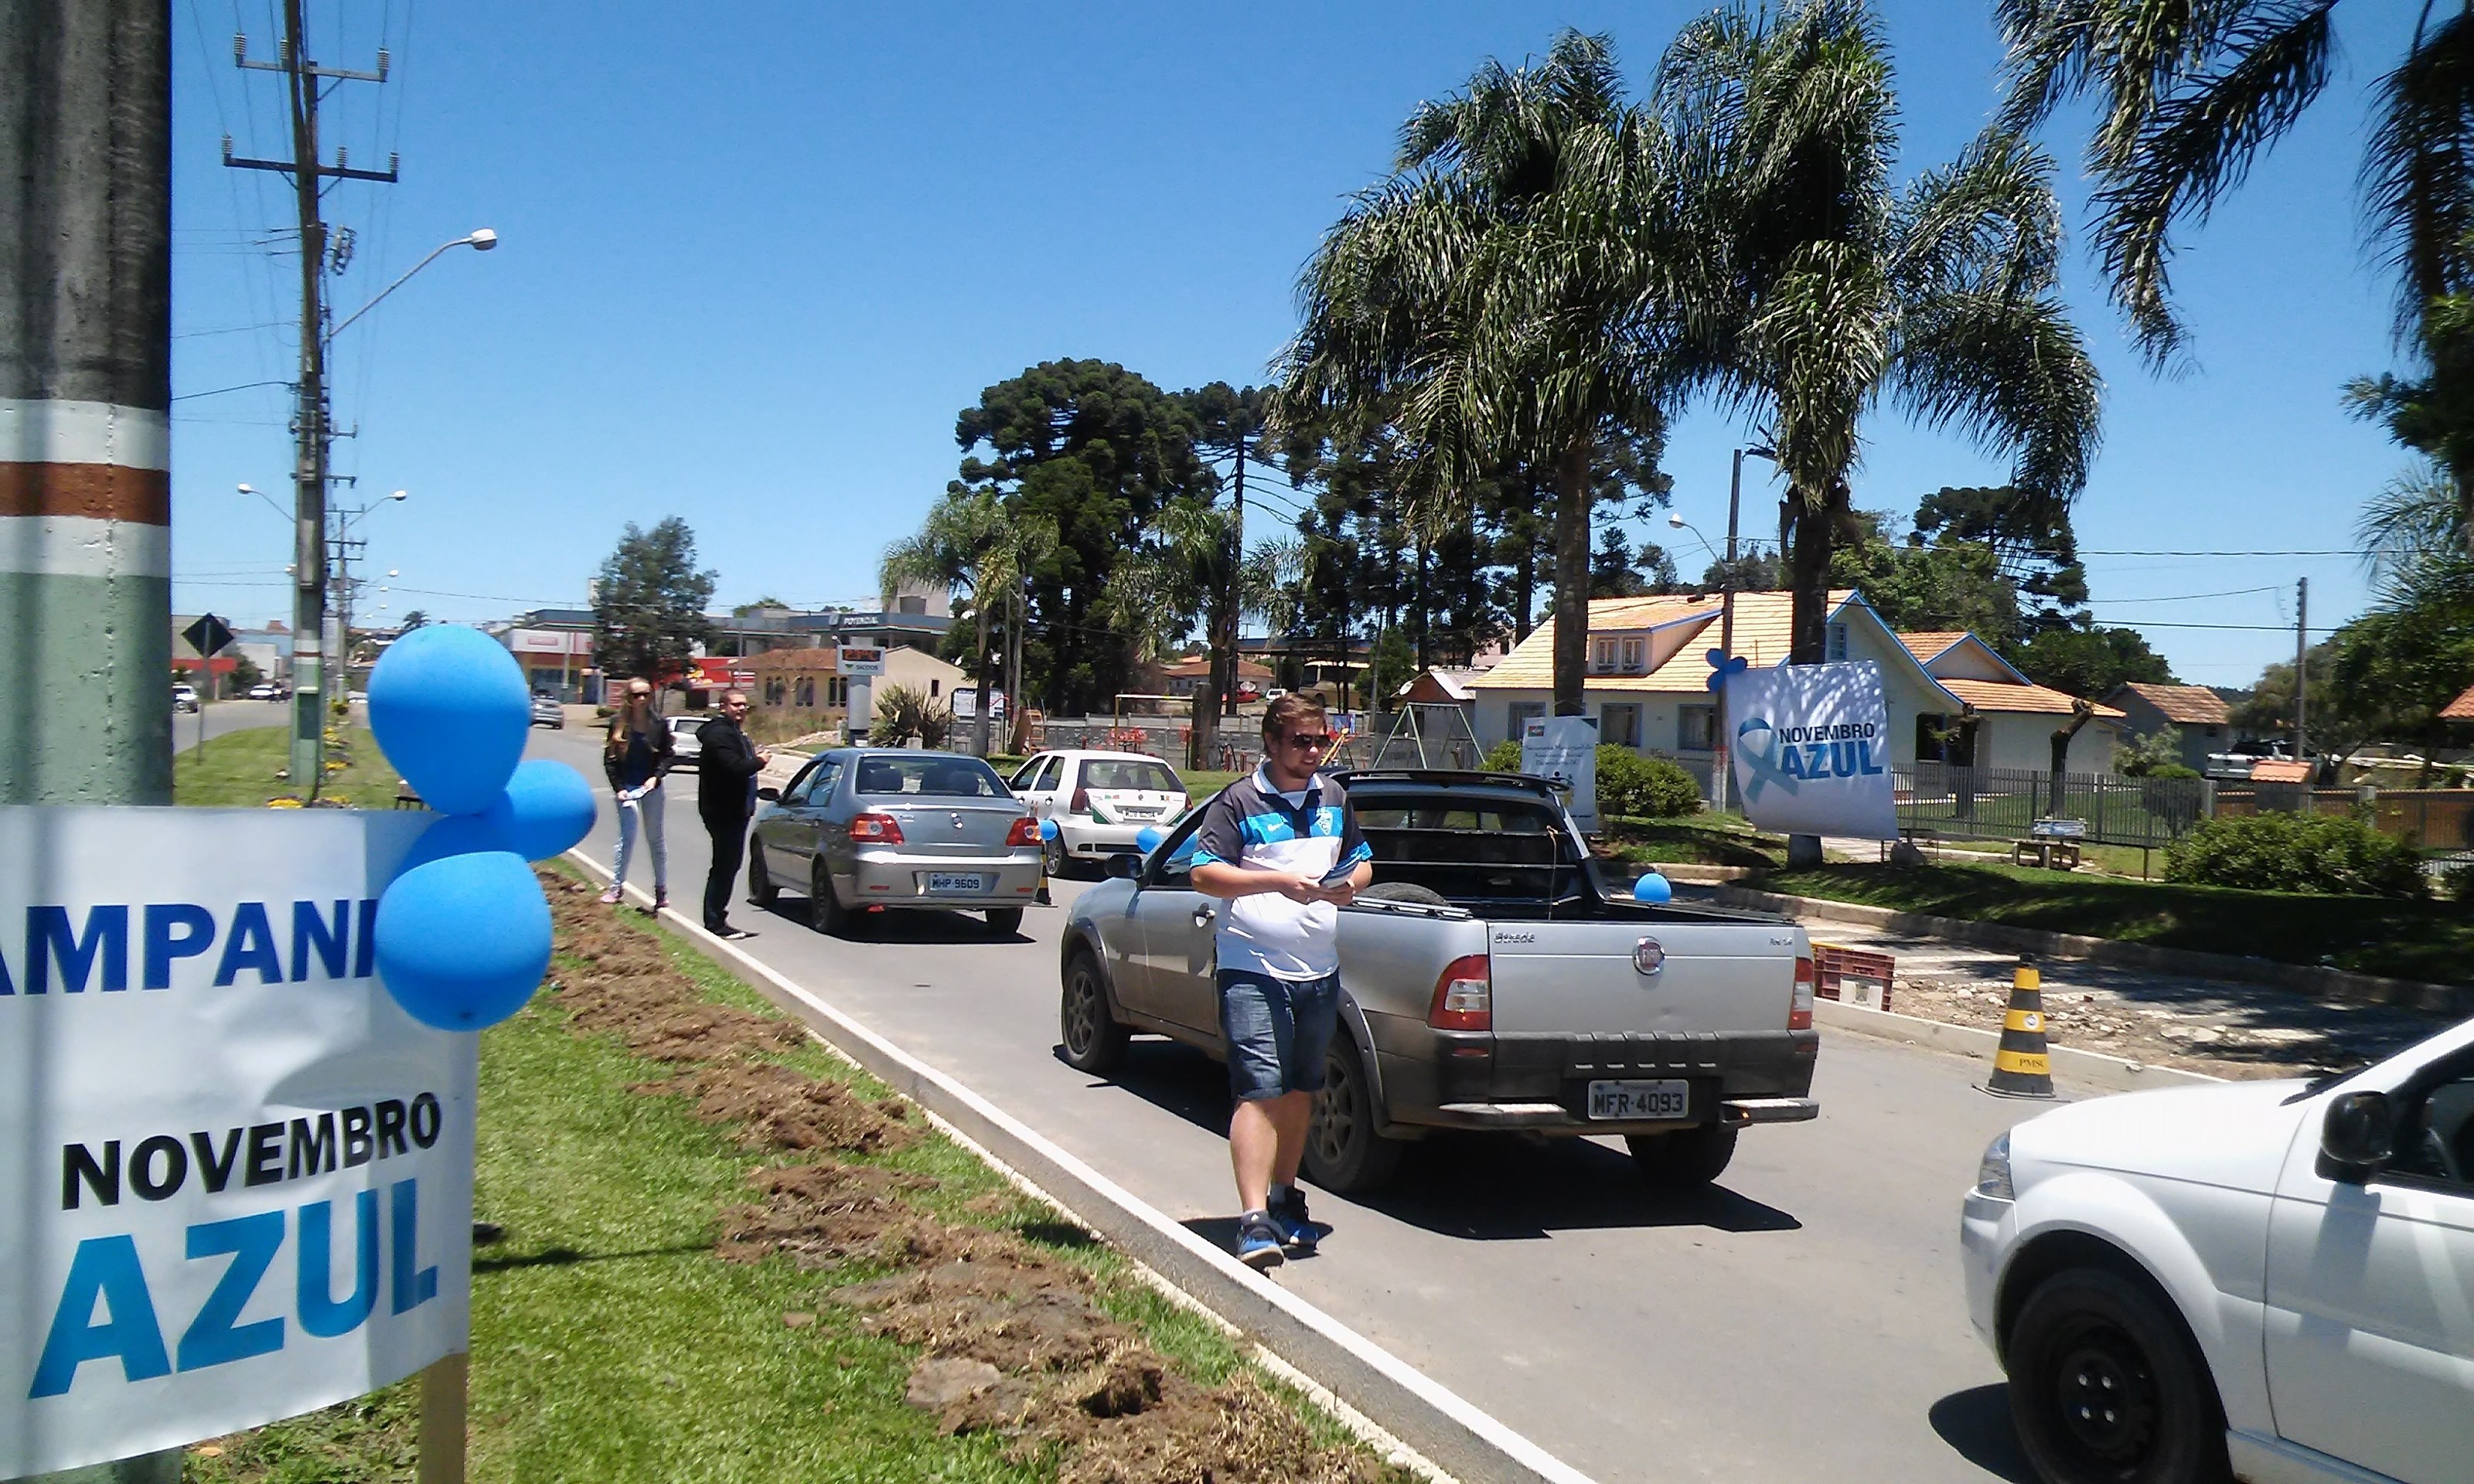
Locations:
635 755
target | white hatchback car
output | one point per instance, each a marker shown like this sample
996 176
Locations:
1100 801
2266 1281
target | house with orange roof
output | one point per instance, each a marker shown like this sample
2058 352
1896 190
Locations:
1952 698
2461 709
2197 713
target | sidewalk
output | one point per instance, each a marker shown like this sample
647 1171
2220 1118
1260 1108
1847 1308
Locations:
2164 1019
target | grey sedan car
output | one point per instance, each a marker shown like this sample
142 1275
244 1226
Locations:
865 831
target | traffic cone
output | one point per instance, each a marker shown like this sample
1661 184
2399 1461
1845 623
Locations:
2021 1066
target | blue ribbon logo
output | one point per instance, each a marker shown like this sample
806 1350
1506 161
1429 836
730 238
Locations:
1762 762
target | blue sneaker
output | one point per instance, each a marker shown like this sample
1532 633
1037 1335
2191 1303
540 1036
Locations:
1298 1232
1258 1242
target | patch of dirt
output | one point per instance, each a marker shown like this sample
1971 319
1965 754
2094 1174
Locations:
822 1214
771 1106
1013 1340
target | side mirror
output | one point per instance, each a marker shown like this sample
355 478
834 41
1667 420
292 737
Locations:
769 795
2357 1136
1125 867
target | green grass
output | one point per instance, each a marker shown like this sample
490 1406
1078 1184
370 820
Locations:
1707 839
610 1344
2409 940
1202 783
239 768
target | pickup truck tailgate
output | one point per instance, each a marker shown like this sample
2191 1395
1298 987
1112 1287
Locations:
1584 978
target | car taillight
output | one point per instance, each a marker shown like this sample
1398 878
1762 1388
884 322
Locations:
1799 1008
1464 996
1079 803
876 828
1025 832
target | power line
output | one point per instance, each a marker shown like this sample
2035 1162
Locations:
2316 552
2186 597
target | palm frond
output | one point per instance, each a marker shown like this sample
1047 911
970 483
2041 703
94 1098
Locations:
2418 169
2012 375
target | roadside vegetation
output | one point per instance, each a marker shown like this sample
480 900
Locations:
727 1256
2426 939
240 769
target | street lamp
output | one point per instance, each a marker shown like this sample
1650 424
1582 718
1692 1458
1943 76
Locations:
479 240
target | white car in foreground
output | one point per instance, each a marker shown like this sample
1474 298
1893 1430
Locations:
2264 1281
1100 801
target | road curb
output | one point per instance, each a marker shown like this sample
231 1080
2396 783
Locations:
2094 1068
1444 1429
2453 1000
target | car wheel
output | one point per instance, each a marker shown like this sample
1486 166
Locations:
1344 1153
1005 921
761 887
1053 856
2106 1385
1094 1040
826 913
1687 1157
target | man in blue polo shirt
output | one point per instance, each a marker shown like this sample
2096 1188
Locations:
1283 847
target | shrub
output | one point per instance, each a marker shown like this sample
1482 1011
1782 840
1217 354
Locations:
1504 757
1644 788
907 711
2284 850
2457 881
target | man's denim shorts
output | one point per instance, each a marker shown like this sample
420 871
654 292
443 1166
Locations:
1276 1031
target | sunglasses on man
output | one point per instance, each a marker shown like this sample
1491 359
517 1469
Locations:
1308 740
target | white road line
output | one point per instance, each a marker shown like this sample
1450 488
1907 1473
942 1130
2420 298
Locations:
1400 1373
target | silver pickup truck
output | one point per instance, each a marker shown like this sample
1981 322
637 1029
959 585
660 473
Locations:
1491 980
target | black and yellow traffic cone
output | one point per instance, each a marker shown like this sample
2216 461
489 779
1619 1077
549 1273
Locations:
2021 1067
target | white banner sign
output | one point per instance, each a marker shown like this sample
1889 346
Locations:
238 1180
1811 750
1566 750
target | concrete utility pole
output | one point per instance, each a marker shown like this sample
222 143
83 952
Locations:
2301 655
86 397
310 641
86 278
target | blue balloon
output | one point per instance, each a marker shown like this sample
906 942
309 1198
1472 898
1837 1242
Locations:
1048 829
545 808
463 941
1652 888
451 713
454 834
1147 839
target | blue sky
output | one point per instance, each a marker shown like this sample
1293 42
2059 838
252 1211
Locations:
754 259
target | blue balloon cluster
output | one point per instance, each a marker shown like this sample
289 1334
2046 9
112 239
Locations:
1147 839
463 934
1653 887
1723 669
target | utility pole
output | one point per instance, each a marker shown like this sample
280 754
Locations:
86 397
1720 781
1236 562
2301 657
305 83
85 389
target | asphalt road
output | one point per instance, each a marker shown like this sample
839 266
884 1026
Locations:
225 716
1802 1320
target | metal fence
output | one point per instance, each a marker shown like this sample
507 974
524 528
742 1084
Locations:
2004 803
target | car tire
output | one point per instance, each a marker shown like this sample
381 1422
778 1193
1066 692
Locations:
1005 921
1686 1158
1093 1037
2107 1385
762 889
826 913
1053 860
1344 1154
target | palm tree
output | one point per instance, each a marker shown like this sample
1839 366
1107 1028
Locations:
1487 302
1815 291
2193 95
973 545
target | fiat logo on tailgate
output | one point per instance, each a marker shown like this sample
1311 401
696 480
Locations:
1647 956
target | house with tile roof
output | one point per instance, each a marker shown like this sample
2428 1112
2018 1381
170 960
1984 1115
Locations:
1952 698
2200 715
2461 709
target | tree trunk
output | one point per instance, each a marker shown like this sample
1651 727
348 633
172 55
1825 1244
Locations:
981 727
1573 499
1808 568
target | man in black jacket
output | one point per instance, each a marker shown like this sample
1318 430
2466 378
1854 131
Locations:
726 767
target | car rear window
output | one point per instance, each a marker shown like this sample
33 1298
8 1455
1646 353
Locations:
1127 772
944 777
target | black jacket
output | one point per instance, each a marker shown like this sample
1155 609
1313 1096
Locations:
615 746
726 762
